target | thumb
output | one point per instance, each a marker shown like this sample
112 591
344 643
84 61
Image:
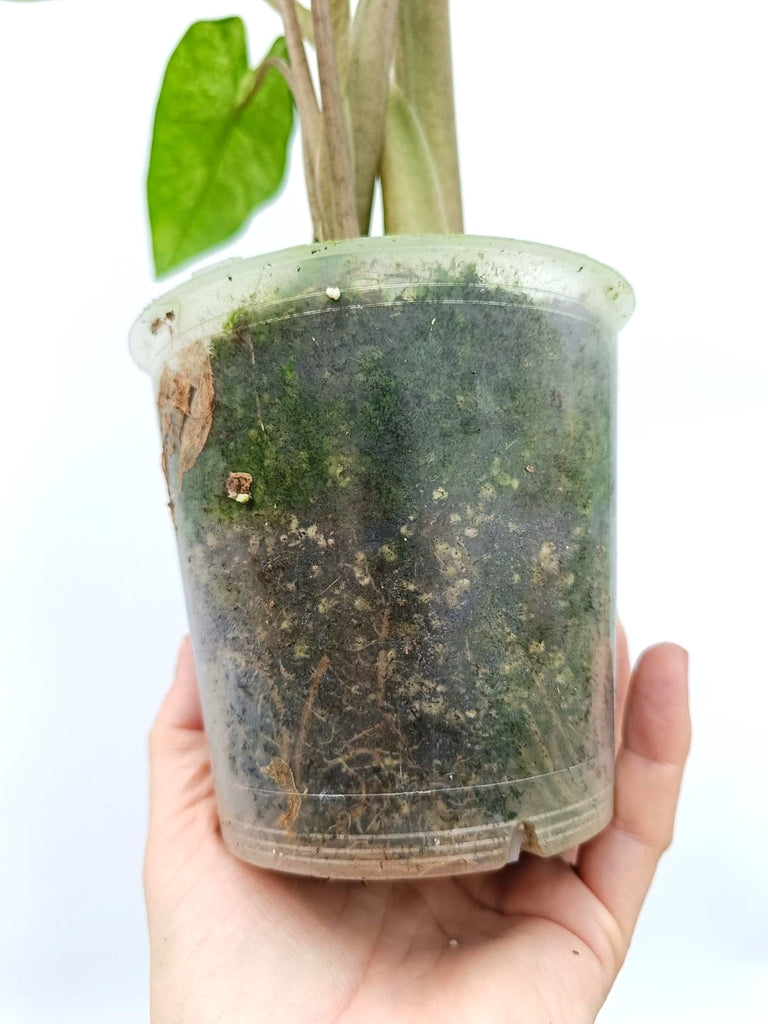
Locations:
180 774
181 707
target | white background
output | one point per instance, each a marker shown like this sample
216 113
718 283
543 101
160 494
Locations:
632 132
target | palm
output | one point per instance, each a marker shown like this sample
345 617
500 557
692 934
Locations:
535 941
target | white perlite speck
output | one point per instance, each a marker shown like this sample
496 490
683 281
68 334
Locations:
333 293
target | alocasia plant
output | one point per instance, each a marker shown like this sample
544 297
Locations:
385 110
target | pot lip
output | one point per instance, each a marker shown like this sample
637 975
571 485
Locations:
529 266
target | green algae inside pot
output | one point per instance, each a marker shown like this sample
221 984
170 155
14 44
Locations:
391 471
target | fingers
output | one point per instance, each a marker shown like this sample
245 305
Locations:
623 669
179 766
181 707
618 865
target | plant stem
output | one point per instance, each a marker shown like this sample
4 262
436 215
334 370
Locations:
335 132
372 46
340 29
306 103
303 16
260 74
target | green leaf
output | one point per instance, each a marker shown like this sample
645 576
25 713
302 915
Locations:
410 180
423 73
218 149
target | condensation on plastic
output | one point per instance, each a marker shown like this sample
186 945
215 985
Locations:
200 306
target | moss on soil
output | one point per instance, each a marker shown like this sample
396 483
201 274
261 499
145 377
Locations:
430 521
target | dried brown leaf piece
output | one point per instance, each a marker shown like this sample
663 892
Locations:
239 486
185 405
531 841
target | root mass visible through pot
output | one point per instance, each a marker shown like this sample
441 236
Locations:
415 594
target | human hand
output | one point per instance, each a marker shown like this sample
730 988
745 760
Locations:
539 942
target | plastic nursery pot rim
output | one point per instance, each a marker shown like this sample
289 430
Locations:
198 307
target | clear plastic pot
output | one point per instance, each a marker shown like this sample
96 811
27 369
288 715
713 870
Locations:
391 468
